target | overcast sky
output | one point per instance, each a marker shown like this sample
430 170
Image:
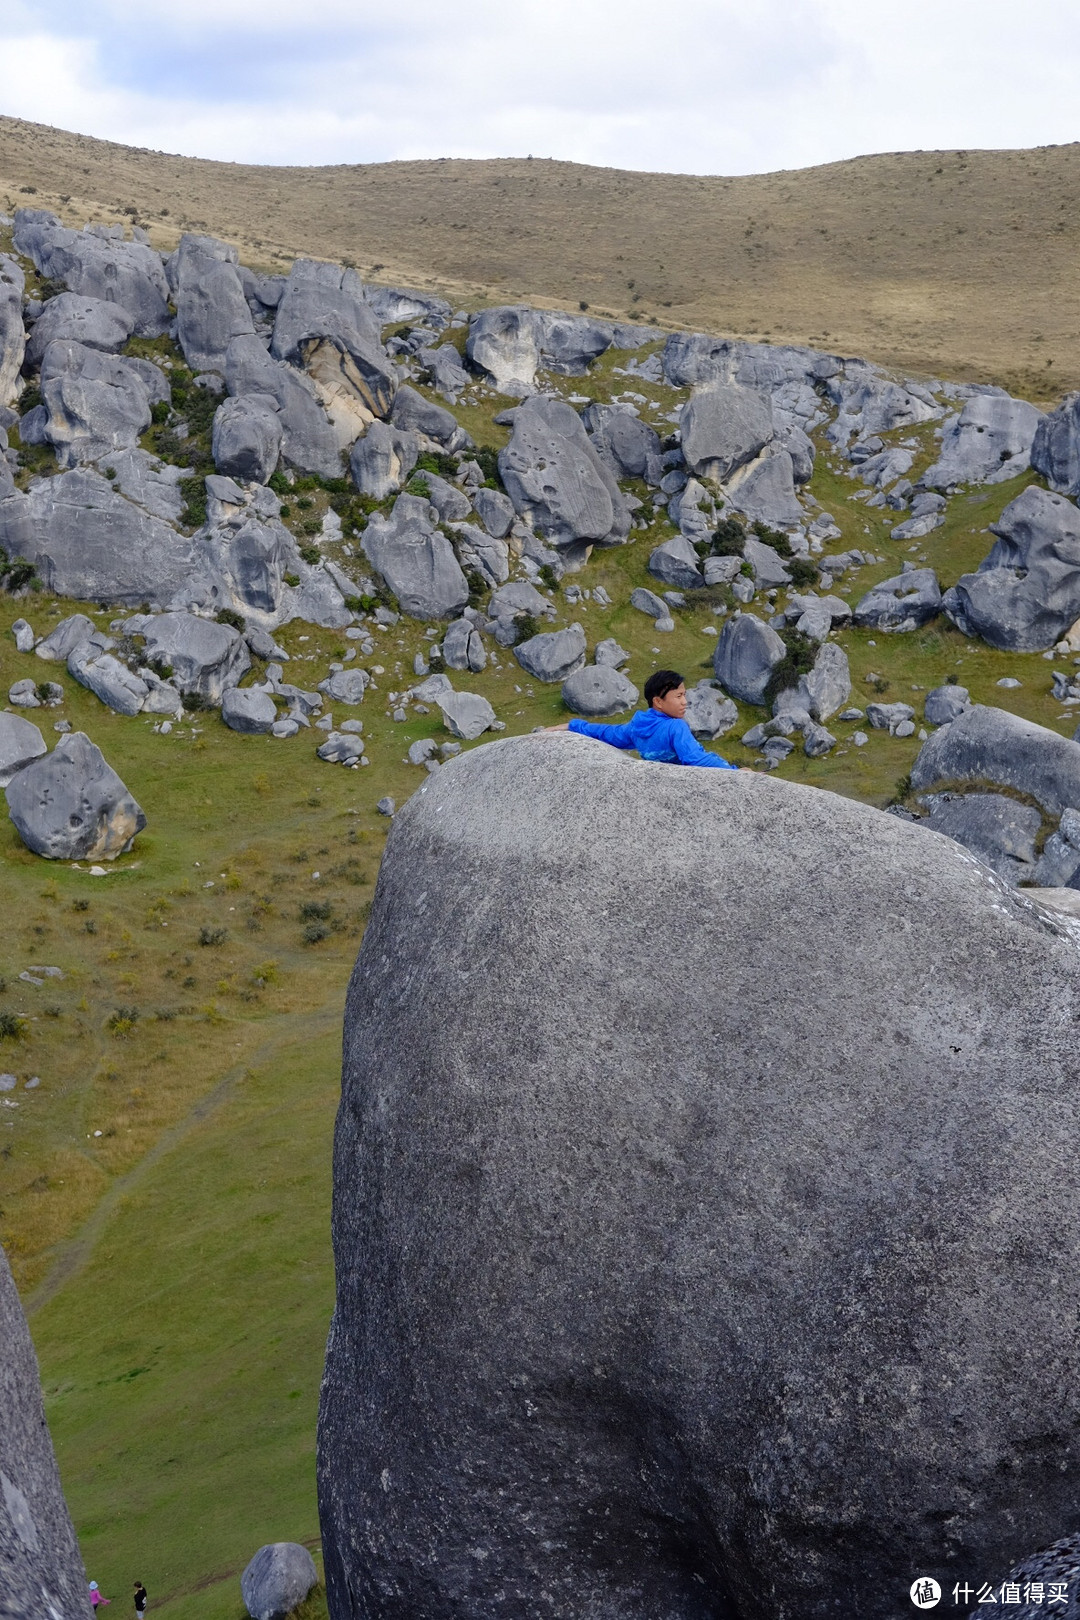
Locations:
702 86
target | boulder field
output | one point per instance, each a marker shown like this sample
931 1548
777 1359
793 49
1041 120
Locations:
698 1205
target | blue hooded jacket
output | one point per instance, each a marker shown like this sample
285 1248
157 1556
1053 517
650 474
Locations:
657 737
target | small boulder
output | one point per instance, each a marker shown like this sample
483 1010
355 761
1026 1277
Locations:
206 658
945 703
649 603
1025 594
346 685
412 413
24 694
382 460
466 714
62 640
554 655
463 647
24 636
416 560
71 806
278 1578
724 427
675 563
495 511
745 656
20 742
609 652
598 689
249 709
341 748
558 483
117 686
902 603
708 712
767 563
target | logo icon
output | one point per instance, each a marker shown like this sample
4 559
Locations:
925 1592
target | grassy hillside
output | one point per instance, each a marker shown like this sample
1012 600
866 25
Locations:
945 263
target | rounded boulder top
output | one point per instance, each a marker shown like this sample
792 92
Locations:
698 1182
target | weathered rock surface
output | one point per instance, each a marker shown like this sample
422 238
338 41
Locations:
945 703
708 712
211 308
12 331
248 708
902 603
325 323
20 742
671 1244
205 658
511 342
988 442
309 441
43 1572
62 640
416 561
676 563
118 687
277 1580
599 689
1055 450
247 437
412 413
89 321
999 830
724 427
746 654
558 483
1026 592
766 490
98 266
466 714
71 806
96 403
990 745
463 646
382 460
150 483
553 655
629 446
495 511
448 374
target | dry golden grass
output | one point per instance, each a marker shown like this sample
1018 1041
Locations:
959 264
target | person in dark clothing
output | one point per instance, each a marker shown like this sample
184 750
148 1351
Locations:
140 1600
658 733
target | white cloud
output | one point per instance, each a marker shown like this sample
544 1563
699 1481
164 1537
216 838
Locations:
711 86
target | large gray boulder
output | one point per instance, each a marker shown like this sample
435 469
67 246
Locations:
43 1572
553 655
20 742
999 830
412 413
118 687
945 703
382 460
1025 594
869 403
724 427
85 540
504 343
466 714
676 563
708 1284
211 308
98 264
988 442
416 560
708 712
309 441
277 1580
570 343
325 324
558 483
495 511
150 483
449 376
247 436
89 321
12 331
64 637
1055 450
746 653
825 689
71 806
902 603
242 564
206 658
990 745
599 689
248 709
766 491
96 402
629 446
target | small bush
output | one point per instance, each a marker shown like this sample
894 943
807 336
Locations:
17 574
29 399
478 587
12 1027
798 660
729 538
265 973
803 572
548 576
213 936
194 492
90 926
315 932
194 702
488 460
435 461
159 413
527 626
165 1015
279 483
315 909
230 616
311 555
121 1022
291 579
80 905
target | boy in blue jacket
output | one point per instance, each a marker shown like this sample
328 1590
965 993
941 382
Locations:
660 732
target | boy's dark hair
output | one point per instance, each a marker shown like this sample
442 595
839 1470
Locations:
660 683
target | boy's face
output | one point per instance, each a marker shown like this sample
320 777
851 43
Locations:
673 703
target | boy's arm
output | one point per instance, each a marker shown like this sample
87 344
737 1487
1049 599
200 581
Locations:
690 751
617 736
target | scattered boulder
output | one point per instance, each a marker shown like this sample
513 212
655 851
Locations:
765 491
463 646
43 1572
452 505
767 563
346 686
495 511
412 413
647 602
23 694
927 514
1055 450
609 652
309 441
1025 594
466 714
248 708
62 640
738 1401
747 651
416 560
1059 863
247 437
629 446
598 689
448 375
723 428
553 655
91 322
988 442
206 658
118 687
325 323
211 307
71 806
990 745
945 703
382 460
889 716
95 402
828 686
558 483
519 597
999 830
675 563
708 712
20 742
24 636
342 748
277 1580
504 343
902 603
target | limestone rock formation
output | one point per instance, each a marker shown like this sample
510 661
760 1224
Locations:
92 322
1025 594
724 427
416 560
382 460
277 1580
12 331
558 483
98 262
902 603
325 323
211 308
553 655
990 745
95 403
747 652
1055 451
599 689
20 742
247 437
309 441
988 442
71 806
205 658
657 1349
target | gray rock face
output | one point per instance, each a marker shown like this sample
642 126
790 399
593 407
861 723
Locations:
766 491
412 413
416 561
96 402
1026 592
71 806
246 708
708 712
554 655
12 331
452 505
990 745
629 446
746 654
463 646
869 403
65 637
125 273
1055 450
325 323
465 714
828 685
247 437
309 442
519 597
1059 863
997 829
726 1431
724 427
902 603
89 321
988 442
43 1572
87 541
649 603
767 563
945 703
20 742
150 483
448 374
279 1577
495 511
675 563
346 686
558 483
206 658
609 652
211 308
505 343
599 689
888 716
110 680
382 460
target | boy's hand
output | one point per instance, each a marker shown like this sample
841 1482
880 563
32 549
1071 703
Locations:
564 727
